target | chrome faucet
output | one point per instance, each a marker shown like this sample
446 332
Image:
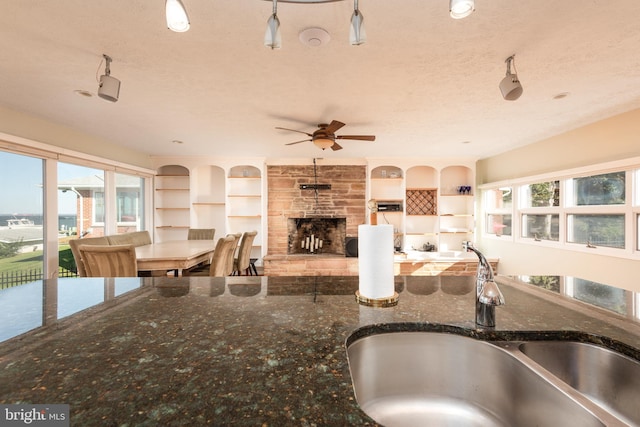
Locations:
488 295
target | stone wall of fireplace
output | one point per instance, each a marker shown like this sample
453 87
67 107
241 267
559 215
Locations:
345 199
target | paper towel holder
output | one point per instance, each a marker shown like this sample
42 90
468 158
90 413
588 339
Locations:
391 301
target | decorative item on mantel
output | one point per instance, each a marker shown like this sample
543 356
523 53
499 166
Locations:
375 266
373 208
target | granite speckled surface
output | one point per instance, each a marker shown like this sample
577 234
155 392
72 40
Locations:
253 351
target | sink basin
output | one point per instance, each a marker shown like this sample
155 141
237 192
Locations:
438 379
609 379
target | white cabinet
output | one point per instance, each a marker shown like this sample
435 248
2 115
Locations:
171 203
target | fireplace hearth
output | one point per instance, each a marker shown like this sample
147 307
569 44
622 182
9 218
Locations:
317 235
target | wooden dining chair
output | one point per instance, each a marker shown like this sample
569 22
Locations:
201 234
109 261
75 244
232 255
242 261
220 261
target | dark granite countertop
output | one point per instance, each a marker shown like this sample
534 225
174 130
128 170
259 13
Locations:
252 351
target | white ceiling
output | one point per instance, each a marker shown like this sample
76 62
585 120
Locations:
423 83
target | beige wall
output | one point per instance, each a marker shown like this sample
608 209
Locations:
612 139
40 130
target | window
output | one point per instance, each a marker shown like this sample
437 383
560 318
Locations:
597 230
498 203
540 203
543 194
607 189
81 199
129 203
580 211
21 219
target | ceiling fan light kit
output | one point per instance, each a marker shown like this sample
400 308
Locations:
324 137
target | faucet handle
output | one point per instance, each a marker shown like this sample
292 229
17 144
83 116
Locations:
490 294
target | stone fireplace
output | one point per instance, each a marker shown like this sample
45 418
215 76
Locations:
317 235
296 210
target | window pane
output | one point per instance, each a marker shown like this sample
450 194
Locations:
543 194
500 198
500 225
543 227
129 203
606 189
598 230
21 219
81 197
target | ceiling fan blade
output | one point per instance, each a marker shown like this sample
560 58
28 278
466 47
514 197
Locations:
336 146
357 137
334 126
298 142
293 130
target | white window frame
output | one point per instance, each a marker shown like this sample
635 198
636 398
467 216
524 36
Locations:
630 209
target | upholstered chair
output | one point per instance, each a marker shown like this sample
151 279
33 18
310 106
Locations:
109 261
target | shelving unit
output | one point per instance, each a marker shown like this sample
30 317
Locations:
456 207
244 203
171 203
435 212
208 202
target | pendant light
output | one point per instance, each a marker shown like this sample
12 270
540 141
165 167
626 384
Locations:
459 9
272 37
510 86
357 34
177 19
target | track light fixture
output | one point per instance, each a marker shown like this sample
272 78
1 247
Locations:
272 37
109 87
510 86
357 34
177 18
459 9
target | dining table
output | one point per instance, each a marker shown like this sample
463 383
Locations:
174 254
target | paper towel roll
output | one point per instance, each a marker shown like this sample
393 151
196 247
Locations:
375 260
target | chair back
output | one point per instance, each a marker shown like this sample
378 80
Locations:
244 253
232 255
201 234
224 247
74 244
135 238
109 261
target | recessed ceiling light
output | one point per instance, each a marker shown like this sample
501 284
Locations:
81 92
177 141
561 95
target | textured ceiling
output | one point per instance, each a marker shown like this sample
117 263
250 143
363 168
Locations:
423 83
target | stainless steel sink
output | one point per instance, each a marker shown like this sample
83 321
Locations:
610 379
437 379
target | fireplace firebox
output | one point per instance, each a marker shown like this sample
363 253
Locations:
317 235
